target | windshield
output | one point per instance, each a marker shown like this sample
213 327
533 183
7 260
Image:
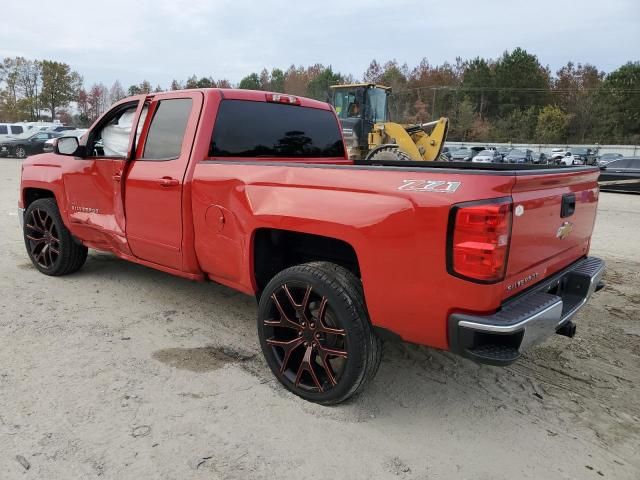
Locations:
376 105
579 151
486 153
516 153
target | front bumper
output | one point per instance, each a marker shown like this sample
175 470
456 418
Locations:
527 319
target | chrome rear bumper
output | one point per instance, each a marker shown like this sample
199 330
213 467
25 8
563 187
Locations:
527 319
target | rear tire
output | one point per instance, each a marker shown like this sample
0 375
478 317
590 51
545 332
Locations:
390 154
50 246
315 332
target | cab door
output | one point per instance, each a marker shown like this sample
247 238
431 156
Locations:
93 182
154 180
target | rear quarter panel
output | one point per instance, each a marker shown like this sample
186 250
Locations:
399 236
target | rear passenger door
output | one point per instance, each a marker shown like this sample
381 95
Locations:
155 179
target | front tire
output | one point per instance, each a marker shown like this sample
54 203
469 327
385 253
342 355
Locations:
20 152
50 246
315 332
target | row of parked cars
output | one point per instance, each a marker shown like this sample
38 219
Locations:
617 172
487 154
22 140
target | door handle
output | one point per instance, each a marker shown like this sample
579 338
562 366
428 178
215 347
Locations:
117 177
169 182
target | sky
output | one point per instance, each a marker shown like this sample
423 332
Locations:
133 40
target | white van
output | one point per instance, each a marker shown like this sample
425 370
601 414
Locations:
11 130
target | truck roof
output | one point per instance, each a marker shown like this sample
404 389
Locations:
239 94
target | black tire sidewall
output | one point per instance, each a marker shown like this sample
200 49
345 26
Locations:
343 307
72 256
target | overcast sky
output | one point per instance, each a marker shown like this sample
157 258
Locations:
159 40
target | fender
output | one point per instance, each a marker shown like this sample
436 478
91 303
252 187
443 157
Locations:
45 173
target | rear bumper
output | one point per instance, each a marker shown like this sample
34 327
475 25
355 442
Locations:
527 319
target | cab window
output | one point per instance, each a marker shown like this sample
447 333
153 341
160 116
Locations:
111 137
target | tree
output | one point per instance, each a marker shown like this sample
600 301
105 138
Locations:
552 124
520 81
575 90
318 86
478 83
59 85
277 80
373 72
116 92
175 85
619 104
250 82
464 119
205 82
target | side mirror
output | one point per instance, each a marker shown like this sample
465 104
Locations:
67 146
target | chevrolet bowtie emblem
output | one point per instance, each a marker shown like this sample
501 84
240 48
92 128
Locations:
564 230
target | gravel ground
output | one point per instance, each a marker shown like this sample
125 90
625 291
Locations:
122 372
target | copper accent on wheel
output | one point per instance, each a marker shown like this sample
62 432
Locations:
43 238
309 345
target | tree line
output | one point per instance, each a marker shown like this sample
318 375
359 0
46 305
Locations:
511 98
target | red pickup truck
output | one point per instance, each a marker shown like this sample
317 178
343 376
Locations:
254 190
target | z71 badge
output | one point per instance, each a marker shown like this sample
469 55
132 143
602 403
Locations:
429 186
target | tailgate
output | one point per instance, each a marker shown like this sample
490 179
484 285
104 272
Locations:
553 218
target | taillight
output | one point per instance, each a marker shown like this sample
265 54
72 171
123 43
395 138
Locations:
479 236
281 98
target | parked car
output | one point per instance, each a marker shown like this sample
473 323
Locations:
586 155
336 257
609 157
48 146
621 176
558 153
504 151
462 154
540 158
568 160
8 130
519 156
446 152
487 156
61 128
25 146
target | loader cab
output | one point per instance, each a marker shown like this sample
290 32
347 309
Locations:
359 107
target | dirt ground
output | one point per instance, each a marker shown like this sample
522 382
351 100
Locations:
122 372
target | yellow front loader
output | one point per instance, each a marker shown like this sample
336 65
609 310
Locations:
368 133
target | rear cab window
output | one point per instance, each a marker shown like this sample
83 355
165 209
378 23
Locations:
251 129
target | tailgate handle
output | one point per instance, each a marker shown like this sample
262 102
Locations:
568 205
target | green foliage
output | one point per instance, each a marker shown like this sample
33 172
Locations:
552 125
521 81
59 85
318 86
250 82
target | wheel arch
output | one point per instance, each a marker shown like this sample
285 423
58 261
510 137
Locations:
274 249
31 194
